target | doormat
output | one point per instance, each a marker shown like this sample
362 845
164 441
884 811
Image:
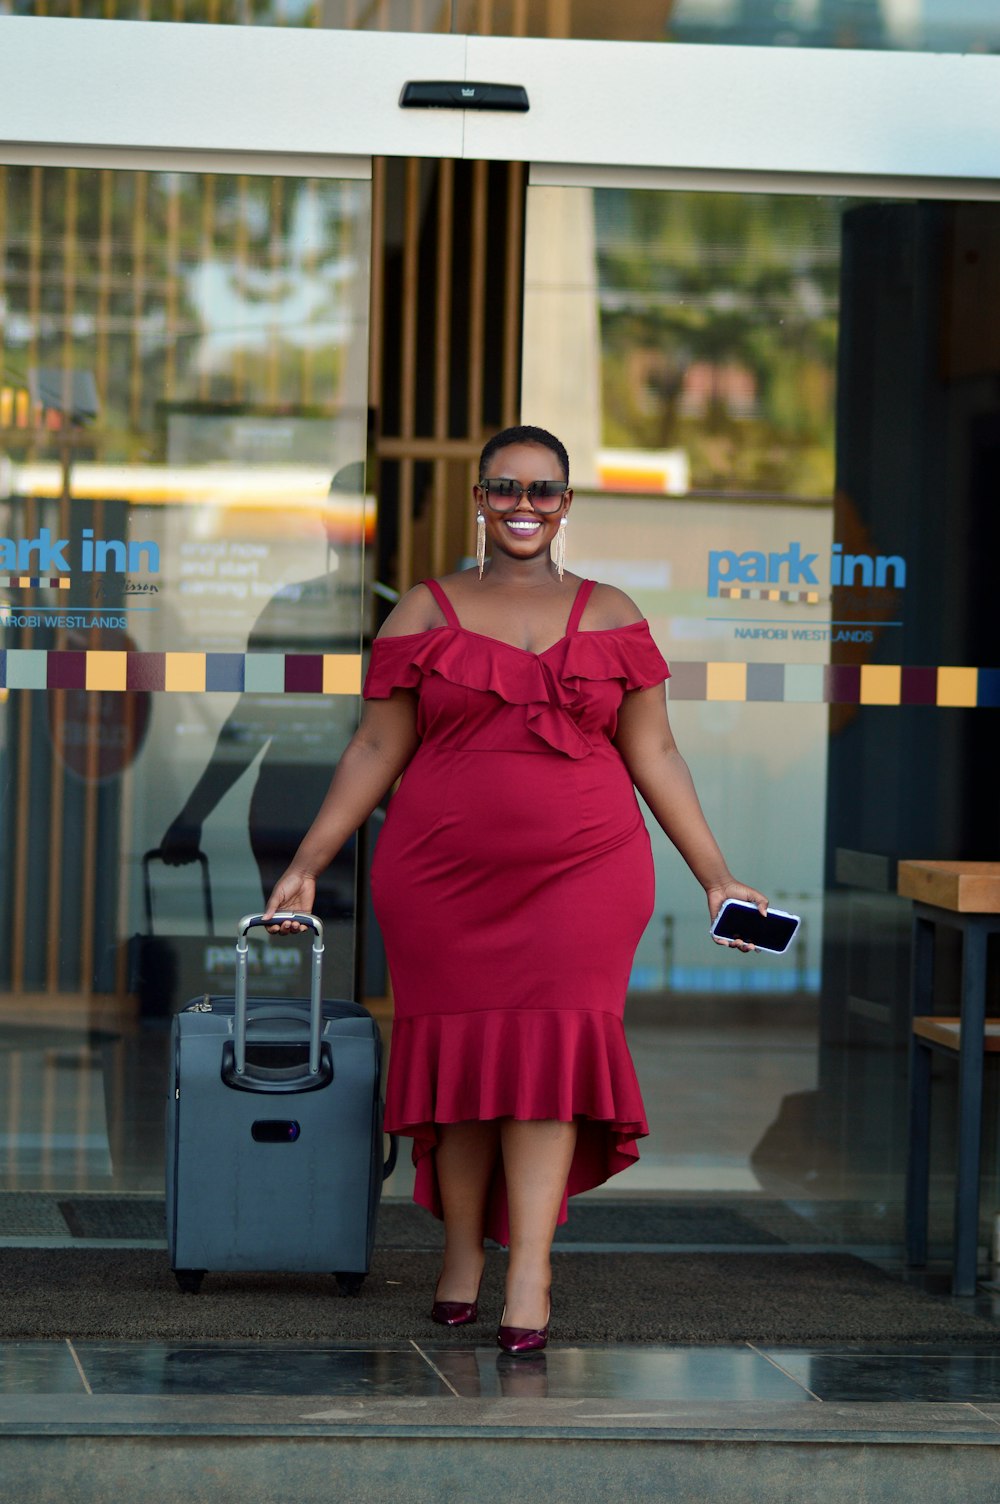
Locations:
784 1299
134 1218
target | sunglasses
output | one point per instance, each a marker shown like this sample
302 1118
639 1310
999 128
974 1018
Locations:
544 495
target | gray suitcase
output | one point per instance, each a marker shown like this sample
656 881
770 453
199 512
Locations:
274 1147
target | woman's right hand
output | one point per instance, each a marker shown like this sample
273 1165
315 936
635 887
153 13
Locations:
295 890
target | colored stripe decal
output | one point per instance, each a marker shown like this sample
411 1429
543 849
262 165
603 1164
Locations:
340 674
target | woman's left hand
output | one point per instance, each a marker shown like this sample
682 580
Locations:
717 895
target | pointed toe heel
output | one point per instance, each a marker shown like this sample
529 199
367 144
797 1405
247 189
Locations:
520 1340
455 1312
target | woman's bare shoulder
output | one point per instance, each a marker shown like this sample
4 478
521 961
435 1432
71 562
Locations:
610 607
416 611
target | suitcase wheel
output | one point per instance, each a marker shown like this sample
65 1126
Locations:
189 1280
349 1284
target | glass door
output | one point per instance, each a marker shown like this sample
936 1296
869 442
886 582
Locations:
782 416
184 520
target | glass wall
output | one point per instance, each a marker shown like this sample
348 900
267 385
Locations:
183 364
784 431
898 25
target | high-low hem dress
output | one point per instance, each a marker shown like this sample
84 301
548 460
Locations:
512 881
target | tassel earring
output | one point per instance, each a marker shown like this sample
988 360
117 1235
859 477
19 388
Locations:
480 542
559 547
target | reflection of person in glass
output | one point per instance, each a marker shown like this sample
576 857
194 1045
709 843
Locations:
513 877
295 736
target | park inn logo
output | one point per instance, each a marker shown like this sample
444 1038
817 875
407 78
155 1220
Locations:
46 560
793 575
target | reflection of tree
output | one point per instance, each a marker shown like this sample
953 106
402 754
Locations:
175 287
718 332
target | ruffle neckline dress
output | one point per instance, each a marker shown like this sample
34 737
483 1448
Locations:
512 881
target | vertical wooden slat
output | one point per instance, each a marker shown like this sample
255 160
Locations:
104 271
408 361
376 316
206 252
48 1114
19 917
57 701
84 1079
442 359
242 255
56 709
36 190
477 297
126 816
139 198
519 18
309 264
13 1098
90 830
513 274
171 284
560 18
277 262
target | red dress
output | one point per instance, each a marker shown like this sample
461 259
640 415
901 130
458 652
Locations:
512 881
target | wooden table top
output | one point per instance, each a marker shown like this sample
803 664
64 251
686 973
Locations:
965 887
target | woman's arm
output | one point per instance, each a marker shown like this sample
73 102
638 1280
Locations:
374 758
661 775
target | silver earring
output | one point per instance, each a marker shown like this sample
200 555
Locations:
559 547
480 542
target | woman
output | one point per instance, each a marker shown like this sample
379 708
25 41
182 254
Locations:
513 878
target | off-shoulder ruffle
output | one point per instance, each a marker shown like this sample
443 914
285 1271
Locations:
547 684
626 653
531 1064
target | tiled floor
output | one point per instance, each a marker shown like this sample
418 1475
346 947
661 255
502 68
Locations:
632 1375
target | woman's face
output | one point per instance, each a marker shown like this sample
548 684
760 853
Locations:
524 532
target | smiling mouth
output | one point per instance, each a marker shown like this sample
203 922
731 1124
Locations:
527 526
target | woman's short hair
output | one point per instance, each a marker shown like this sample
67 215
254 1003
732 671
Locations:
524 433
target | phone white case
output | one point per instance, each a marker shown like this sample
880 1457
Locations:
738 903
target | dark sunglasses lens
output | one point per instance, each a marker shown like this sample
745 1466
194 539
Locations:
504 489
546 494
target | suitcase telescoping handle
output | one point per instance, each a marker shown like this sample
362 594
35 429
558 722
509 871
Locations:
247 923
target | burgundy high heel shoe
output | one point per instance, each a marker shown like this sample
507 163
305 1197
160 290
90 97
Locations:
523 1339
456 1312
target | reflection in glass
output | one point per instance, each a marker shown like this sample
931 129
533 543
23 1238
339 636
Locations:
787 420
183 522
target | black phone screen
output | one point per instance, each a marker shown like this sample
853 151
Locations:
745 922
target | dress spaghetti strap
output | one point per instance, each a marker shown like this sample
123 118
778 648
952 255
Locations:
579 606
446 606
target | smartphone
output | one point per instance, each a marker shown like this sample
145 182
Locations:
744 921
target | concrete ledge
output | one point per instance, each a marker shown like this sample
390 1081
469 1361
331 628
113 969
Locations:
262 1468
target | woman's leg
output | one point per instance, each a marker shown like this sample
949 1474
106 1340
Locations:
536 1161
465 1159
